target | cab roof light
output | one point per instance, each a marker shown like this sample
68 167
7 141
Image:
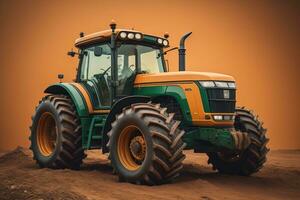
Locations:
130 35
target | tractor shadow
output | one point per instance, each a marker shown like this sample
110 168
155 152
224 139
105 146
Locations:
101 167
192 173
97 164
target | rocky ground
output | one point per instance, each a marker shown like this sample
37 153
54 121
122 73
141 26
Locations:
22 179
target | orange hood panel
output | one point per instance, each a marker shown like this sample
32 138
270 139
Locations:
181 77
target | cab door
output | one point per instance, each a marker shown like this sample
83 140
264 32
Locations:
127 67
95 75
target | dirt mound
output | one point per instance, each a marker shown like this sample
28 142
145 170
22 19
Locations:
18 154
24 192
22 179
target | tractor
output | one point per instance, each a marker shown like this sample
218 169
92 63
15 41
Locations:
126 103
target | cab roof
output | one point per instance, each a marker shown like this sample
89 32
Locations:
104 36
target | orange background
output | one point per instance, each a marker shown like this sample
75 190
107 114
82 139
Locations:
257 42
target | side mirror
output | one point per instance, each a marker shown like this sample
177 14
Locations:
71 53
97 51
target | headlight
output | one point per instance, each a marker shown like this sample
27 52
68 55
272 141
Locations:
221 84
218 84
207 84
231 85
130 35
160 41
218 117
165 43
138 36
123 35
223 117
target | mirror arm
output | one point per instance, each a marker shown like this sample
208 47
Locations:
165 52
174 48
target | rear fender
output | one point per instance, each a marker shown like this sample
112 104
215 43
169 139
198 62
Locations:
69 90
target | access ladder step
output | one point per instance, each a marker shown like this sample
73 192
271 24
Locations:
97 137
99 125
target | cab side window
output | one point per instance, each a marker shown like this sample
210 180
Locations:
96 73
95 62
126 69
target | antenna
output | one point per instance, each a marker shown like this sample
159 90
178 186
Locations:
166 35
60 77
113 25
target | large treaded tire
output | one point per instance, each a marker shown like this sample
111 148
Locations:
68 152
163 160
250 160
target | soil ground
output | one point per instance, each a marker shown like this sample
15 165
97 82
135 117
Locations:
22 179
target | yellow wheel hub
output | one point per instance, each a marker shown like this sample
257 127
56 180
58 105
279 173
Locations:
46 134
138 148
131 147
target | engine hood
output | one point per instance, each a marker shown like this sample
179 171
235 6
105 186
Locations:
181 76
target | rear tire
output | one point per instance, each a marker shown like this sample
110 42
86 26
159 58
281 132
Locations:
56 134
145 145
248 161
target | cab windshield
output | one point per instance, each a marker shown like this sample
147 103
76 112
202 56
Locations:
145 59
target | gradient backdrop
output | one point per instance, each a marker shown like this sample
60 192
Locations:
255 41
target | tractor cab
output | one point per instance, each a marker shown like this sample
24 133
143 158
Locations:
111 59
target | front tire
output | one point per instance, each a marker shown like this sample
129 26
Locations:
56 134
145 145
250 160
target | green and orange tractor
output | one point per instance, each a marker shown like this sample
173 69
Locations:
126 103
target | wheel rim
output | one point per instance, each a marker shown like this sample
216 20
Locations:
131 148
46 134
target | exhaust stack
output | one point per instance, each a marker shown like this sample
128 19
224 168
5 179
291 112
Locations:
181 51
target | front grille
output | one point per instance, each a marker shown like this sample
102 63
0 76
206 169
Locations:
221 101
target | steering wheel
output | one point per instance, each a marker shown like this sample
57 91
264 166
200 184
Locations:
102 75
105 71
132 67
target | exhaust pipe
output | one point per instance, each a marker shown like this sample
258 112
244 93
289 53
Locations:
181 51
